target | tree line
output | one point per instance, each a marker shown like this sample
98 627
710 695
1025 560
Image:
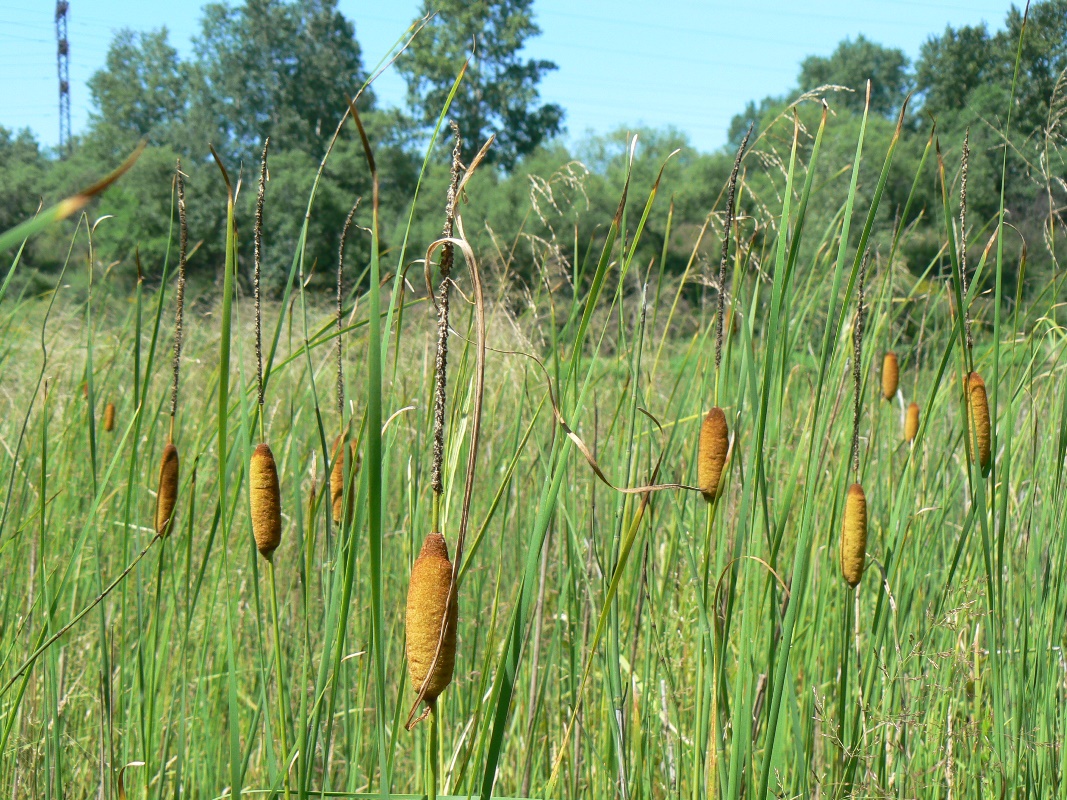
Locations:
284 68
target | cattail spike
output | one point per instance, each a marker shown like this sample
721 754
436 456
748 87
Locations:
854 535
257 236
167 494
265 501
183 241
431 581
890 375
911 422
109 417
441 359
337 480
978 403
711 457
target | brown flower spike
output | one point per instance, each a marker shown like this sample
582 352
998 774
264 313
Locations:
911 422
979 411
890 375
167 495
265 500
854 535
711 457
431 579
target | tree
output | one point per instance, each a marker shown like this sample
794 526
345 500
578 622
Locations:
283 69
142 92
21 169
851 65
500 93
952 65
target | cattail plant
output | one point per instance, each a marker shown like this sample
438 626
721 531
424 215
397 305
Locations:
431 638
167 492
911 422
978 407
890 375
854 520
109 417
264 492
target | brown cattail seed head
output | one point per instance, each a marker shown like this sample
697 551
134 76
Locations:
854 535
711 458
911 422
337 480
979 411
109 417
890 375
431 579
265 499
167 495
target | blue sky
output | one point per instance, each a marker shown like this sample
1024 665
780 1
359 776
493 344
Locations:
691 64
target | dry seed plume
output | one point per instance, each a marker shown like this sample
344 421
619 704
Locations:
257 237
109 417
431 580
911 422
964 162
183 241
728 223
167 494
711 458
978 405
265 500
857 361
340 312
890 375
854 535
441 360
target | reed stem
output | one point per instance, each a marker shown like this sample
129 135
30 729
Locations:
280 676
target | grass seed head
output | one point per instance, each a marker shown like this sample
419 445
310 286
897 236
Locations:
109 417
979 412
266 501
337 480
167 495
911 422
431 579
890 375
711 458
854 535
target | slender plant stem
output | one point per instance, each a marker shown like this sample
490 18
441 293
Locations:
279 675
431 787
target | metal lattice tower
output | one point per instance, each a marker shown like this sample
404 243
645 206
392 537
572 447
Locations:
63 68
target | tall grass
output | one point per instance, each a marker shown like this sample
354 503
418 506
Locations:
633 644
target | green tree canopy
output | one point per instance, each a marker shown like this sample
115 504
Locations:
283 69
142 92
852 64
500 91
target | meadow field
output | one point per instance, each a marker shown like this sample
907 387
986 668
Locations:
624 630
